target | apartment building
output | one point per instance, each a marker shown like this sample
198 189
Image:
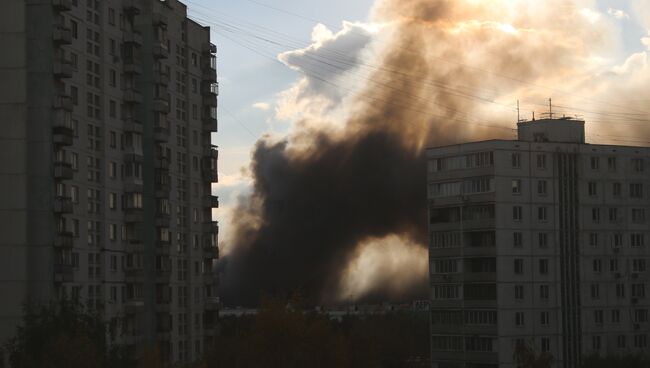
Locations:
541 240
106 169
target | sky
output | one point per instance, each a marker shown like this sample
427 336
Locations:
269 91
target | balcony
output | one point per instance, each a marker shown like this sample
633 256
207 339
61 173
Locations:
210 100
162 220
133 275
63 171
133 38
160 50
161 134
132 125
209 74
211 252
62 205
63 239
161 104
134 305
161 77
132 215
212 303
163 275
210 227
132 96
132 66
208 48
62 5
161 162
132 7
63 273
62 131
211 201
63 101
63 69
210 278
62 35
210 124
158 19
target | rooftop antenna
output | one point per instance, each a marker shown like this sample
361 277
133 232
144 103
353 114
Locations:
550 108
518 119
533 115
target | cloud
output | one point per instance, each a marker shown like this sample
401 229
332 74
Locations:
618 14
264 106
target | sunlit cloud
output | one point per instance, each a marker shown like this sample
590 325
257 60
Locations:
618 13
264 106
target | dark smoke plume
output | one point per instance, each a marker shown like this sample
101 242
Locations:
312 207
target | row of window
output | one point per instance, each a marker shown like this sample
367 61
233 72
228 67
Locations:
638 341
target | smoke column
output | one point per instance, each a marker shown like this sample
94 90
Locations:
320 194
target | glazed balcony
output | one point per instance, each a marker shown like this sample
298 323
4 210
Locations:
133 38
133 215
132 65
132 7
160 50
211 252
212 303
62 130
63 239
132 96
161 77
63 101
63 272
62 205
62 5
211 201
63 171
62 35
63 69
132 125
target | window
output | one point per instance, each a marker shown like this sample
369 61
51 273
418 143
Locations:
592 189
598 317
620 341
519 292
74 27
543 291
542 214
636 190
640 341
111 16
112 169
112 110
640 315
595 291
544 318
546 344
595 215
611 163
594 163
618 240
638 265
541 161
542 240
638 290
74 193
616 316
595 342
616 189
638 215
519 266
112 201
519 319
516 213
613 265
516 186
517 240
597 265
74 94
112 232
637 164
620 291
112 78
593 239
636 240
543 266
541 187
516 160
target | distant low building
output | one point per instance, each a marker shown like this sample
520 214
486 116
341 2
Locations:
541 240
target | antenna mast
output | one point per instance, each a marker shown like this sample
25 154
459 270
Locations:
518 119
550 108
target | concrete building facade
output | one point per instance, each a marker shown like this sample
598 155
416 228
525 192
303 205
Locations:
107 110
542 241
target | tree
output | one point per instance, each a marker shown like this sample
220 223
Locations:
62 334
526 357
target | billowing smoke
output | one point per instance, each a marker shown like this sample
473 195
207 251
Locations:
338 210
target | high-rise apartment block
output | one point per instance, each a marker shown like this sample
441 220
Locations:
106 166
543 241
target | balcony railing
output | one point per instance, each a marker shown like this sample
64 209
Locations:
63 69
134 38
132 65
63 272
160 50
62 35
131 95
62 205
63 239
62 5
63 171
